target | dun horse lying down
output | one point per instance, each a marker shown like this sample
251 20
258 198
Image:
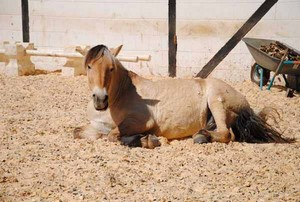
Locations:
140 110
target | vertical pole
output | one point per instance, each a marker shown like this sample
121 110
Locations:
172 38
25 21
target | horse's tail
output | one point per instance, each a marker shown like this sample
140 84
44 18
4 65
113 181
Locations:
253 128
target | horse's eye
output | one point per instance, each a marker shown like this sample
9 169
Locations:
111 69
89 67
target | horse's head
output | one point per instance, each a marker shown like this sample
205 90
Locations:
100 64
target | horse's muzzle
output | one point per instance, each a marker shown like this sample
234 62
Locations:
100 104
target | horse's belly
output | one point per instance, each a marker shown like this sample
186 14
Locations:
180 123
180 109
179 132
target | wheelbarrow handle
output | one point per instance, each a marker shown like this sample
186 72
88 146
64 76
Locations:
278 68
290 62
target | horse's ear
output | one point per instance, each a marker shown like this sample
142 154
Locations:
115 51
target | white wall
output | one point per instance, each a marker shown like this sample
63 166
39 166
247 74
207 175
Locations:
203 27
10 20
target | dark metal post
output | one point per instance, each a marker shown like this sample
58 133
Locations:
172 38
25 20
236 38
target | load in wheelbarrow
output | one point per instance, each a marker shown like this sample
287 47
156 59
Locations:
271 55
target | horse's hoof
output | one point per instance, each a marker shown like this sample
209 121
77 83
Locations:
131 141
150 142
200 139
153 141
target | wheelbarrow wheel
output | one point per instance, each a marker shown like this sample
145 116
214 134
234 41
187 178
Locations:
255 75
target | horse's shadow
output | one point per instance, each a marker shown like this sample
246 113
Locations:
133 139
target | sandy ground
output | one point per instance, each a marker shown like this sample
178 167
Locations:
40 160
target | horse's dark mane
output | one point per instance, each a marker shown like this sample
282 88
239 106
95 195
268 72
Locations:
93 53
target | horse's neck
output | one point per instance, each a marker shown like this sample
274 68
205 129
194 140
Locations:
121 84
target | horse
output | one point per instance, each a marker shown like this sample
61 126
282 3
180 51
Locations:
208 110
101 122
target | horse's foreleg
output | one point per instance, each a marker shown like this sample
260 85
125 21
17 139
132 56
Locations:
87 132
139 140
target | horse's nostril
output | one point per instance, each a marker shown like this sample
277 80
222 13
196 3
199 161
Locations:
105 99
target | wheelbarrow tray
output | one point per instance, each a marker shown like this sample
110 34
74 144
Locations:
266 61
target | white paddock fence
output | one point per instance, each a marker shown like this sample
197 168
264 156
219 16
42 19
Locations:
16 58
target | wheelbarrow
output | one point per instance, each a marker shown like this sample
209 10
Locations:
264 63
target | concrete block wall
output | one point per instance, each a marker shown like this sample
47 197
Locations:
203 27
